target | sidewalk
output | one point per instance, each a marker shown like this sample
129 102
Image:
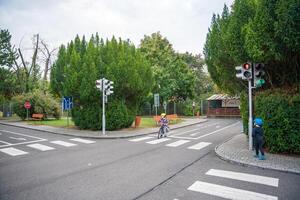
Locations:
124 133
236 150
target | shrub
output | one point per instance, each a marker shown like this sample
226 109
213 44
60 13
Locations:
187 108
90 116
40 103
281 114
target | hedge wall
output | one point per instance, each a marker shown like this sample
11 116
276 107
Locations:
280 110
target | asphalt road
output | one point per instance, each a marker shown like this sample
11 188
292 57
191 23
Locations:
37 165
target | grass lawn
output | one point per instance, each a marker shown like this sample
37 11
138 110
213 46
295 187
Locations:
146 122
53 122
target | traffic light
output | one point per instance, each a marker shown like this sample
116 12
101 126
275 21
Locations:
99 84
109 87
239 71
259 72
247 71
105 84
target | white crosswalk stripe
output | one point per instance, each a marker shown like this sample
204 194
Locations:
157 141
234 193
62 143
177 143
228 192
199 145
40 147
140 139
244 177
83 140
13 151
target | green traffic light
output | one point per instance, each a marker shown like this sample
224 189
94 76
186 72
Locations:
260 82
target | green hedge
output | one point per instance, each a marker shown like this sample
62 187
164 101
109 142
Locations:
90 116
40 103
281 114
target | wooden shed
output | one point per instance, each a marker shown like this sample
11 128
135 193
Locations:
222 105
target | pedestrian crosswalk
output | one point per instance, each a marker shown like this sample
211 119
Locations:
171 142
17 151
231 192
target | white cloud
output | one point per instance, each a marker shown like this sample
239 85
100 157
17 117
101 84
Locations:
184 23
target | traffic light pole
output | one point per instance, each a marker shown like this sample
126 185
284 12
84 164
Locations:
250 122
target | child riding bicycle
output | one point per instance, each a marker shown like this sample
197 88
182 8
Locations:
164 126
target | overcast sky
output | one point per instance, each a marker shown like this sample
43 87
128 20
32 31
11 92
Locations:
183 22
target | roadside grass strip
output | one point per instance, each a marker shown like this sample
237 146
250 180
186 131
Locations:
199 146
228 192
244 177
140 139
40 147
62 143
177 143
83 141
13 151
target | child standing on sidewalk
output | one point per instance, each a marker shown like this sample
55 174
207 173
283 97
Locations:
258 135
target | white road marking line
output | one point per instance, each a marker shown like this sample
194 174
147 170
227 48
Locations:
140 139
206 125
228 192
5 142
29 142
17 138
199 145
158 141
35 141
62 143
244 177
13 151
177 143
82 140
216 131
22 134
181 133
40 147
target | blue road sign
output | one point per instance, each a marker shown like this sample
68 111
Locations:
67 103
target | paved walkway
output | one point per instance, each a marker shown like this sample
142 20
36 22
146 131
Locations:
235 150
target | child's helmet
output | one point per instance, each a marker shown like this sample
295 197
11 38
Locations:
163 114
258 121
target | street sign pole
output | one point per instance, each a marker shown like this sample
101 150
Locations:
103 108
27 113
250 114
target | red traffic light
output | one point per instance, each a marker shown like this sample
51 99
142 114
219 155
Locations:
247 66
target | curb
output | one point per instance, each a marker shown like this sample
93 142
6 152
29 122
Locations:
248 164
96 137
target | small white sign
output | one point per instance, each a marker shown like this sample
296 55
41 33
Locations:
156 100
231 103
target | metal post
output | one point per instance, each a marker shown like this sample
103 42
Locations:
250 115
174 107
103 108
201 112
27 113
68 119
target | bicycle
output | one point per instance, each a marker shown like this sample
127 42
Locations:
162 132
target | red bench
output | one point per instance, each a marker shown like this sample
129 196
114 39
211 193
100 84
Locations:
37 116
